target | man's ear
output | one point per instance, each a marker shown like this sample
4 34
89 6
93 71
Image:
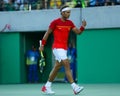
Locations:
62 13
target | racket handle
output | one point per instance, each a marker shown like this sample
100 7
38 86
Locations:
40 42
41 53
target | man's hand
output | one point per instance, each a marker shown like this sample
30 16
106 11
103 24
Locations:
84 23
41 48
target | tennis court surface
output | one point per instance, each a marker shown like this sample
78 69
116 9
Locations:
61 89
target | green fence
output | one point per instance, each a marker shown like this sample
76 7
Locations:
99 56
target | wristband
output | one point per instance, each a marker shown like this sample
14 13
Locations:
43 42
82 28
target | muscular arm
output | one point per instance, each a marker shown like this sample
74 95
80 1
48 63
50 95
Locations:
76 30
45 37
48 32
79 31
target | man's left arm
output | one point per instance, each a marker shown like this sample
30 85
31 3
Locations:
81 29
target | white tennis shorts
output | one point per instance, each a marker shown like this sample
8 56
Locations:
60 54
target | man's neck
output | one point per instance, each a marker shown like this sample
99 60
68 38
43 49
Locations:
63 19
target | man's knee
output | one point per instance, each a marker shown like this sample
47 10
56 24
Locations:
66 61
58 65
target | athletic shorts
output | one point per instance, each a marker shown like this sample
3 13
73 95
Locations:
60 54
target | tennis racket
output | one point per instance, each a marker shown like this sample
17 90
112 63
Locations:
42 60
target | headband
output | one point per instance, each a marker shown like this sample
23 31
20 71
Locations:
66 9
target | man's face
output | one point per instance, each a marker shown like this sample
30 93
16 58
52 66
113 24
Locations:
33 48
66 14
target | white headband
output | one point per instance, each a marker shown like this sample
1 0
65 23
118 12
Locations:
66 9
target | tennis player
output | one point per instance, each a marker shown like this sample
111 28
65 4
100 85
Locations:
61 28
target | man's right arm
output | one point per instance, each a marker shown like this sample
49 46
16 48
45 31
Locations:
44 40
49 31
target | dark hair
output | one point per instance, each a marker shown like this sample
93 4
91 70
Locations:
62 7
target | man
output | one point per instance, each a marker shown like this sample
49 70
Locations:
32 64
60 28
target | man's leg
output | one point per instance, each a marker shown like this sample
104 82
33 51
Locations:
35 73
47 87
30 75
54 71
68 73
75 87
